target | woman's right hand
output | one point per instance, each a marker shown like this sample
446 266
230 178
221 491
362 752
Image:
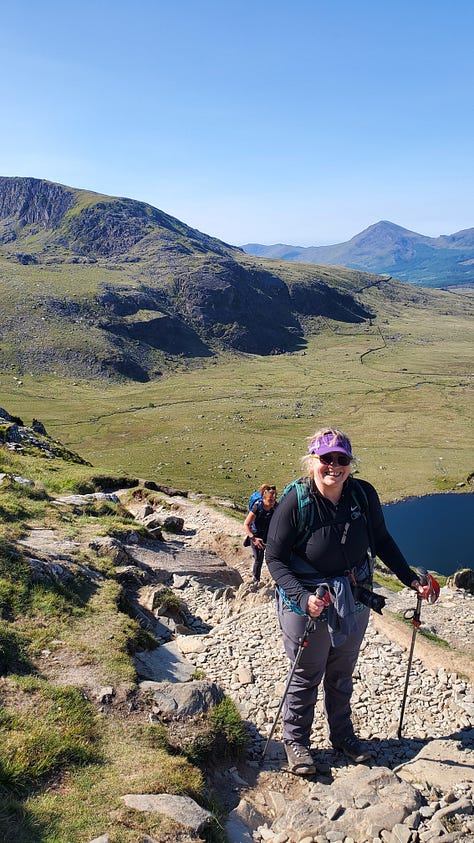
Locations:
315 606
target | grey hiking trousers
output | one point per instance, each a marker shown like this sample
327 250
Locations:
319 661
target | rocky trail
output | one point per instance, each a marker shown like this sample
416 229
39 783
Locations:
419 788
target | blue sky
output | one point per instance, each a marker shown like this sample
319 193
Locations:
298 122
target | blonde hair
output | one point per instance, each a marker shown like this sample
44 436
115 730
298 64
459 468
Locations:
307 461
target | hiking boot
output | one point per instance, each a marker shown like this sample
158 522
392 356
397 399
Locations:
300 760
352 749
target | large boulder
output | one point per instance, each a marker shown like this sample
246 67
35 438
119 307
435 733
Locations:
464 578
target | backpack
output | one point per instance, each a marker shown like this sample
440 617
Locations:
306 511
255 497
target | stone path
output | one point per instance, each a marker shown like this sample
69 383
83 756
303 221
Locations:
242 652
419 788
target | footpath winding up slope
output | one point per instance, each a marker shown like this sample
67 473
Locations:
242 652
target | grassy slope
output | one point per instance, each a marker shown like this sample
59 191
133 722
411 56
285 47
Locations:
400 387
64 763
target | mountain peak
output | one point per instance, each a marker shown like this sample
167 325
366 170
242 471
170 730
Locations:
387 248
386 230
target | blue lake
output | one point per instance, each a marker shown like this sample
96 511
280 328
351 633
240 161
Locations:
435 531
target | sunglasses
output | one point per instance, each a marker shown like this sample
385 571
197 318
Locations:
334 459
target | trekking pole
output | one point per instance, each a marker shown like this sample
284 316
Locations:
414 615
303 641
323 594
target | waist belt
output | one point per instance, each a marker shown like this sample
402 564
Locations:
290 604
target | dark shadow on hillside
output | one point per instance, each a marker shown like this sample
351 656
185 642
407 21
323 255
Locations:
163 333
319 299
19 824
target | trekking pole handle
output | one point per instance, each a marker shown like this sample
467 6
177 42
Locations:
423 575
323 593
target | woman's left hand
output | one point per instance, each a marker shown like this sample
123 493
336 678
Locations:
426 592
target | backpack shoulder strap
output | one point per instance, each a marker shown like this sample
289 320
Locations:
360 497
305 507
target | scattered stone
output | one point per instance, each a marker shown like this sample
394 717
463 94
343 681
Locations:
182 809
106 695
183 699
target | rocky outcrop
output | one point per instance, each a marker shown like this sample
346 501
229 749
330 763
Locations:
318 298
28 201
463 579
19 437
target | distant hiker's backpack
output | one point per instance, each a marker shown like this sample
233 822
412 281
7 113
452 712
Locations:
306 510
255 497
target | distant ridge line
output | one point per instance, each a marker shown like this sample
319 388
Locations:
385 247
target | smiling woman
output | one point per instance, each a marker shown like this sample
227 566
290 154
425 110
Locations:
320 551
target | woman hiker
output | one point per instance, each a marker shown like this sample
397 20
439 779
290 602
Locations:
256 526
323 538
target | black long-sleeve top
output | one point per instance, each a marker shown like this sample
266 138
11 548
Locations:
324 554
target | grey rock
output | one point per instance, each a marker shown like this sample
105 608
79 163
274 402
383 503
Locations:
182 809
333 810
237 831
188 644
167 561
152 522
108 546
179 582
242 822
166 663
77 500
186 699
106 694
173 524
464 578
441 763
402 833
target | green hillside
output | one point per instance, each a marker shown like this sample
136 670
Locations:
402 387
113 289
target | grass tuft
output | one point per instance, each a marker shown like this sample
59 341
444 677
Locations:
221 735
51 728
